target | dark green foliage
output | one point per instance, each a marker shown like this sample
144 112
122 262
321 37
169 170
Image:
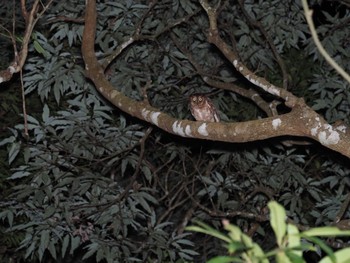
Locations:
91 184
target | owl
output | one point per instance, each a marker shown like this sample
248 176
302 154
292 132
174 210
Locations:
203 109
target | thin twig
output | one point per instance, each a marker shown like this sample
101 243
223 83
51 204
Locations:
324 53
24 106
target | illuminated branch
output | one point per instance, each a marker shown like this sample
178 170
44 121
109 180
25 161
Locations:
31 18
301 121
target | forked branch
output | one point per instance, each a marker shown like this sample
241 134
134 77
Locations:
31 18
301 121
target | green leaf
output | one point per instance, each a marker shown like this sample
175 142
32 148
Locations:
326 232
49 211
13 152
65 244
235 246
259 253
39 48
7 140
92 248
341 256
294 256
19 174
225 259
75 242
278 221
322 245
44 243
281 257
30 249
319 104
44 239
10 217
294 239
26 154
52 250
46 113
33 121
205 229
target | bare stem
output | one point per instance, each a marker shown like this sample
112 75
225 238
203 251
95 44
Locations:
324 53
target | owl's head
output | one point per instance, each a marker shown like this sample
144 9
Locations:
198 100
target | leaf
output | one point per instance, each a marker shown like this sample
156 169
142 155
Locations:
39 48
44 239
148 197
92 248
294 256
46 113
75 242
224 259
325 232
323 246
52 250
32 120
30 249
65 244
10 218
337 100
281 257
179 55
49 211
143 203
294 239
13 152
44 242
26 154
205 229
319 104
278 221
19 174
7 140
341 256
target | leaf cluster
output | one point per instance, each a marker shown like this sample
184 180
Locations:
290 242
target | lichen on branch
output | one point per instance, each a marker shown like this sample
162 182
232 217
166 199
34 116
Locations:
301 121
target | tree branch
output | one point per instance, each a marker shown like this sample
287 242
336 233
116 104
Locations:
31 18
301 121
214 38
246 93
269 41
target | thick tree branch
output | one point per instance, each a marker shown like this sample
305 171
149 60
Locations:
301 121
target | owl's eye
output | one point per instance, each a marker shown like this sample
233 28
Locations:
200 99
194 99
